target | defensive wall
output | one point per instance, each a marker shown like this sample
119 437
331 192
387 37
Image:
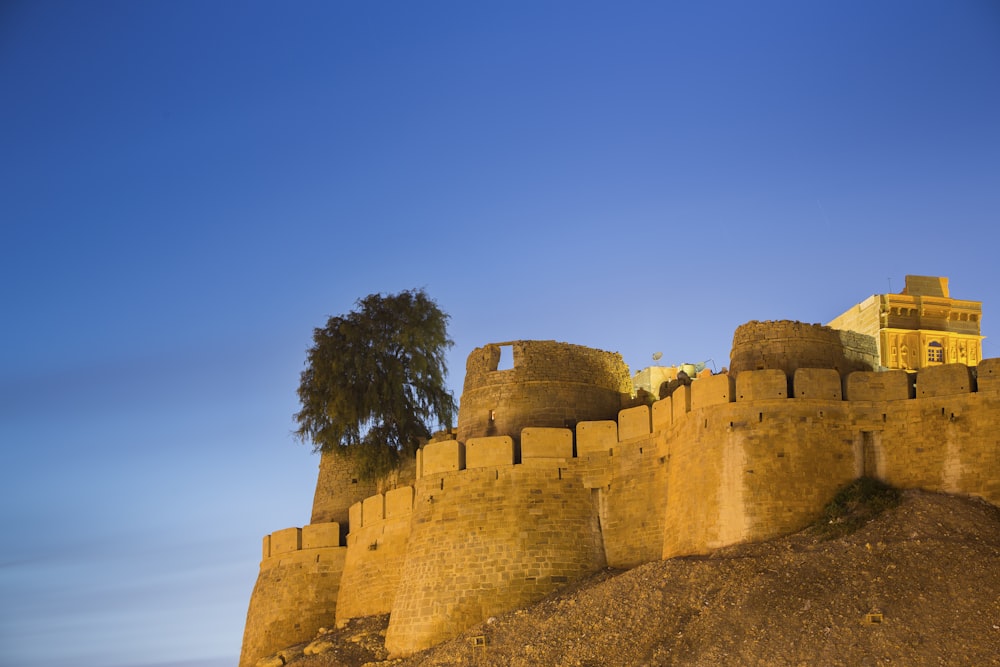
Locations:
296 591
491 524
338 486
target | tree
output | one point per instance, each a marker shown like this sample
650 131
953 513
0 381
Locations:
375 379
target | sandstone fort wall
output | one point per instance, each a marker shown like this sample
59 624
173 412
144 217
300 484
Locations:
296 591
494 522
338 486
376 551
487 540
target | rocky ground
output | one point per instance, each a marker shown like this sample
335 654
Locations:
917 585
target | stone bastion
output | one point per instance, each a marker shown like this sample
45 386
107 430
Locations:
791 345
550 384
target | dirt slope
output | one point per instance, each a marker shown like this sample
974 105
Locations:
918 585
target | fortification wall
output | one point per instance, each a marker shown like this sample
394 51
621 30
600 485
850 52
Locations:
296 590
943 440
753 470
339 486
789 345
625 467
376 551
495 522
551 384
487 540
760 467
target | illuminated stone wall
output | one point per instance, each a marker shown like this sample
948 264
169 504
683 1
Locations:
488 540
789 345
550 384
376 551
492 523
296 590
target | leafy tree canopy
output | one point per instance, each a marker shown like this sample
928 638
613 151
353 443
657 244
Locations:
375 379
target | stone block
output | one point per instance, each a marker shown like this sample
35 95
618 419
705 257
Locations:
817 383
398 502
545 443
354 517
489 452
633 422
372 510
988 375
875 386
662 414
598 436
944 380
680 401
713 390
761 385
444 456
319 535
266 547
286 541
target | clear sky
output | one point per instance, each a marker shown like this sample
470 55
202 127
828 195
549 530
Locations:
188 188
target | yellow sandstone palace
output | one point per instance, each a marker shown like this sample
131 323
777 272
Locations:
919 327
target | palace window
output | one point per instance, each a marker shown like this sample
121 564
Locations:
935 353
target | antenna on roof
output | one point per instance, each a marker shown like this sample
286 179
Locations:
657 356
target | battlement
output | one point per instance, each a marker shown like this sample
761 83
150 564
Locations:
376 549
540 445
293 561
290 540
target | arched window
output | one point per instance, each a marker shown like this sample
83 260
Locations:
935 353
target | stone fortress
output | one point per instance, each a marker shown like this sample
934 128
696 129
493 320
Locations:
557 469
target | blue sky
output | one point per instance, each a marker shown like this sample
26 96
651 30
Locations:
188 188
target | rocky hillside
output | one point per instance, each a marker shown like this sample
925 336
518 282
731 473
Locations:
918 584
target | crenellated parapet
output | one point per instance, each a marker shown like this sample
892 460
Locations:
376 550
296 591
488 535
762 462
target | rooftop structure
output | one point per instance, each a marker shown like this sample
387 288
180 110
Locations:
922 326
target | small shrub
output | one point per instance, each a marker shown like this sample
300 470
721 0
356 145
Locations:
855 505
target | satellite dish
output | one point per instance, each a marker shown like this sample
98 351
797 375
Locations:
657 356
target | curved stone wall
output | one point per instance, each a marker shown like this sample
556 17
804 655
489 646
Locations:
551 384
338 486
788 346
486 541
376 551
296 590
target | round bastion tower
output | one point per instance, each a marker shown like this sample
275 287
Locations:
549 384
788 345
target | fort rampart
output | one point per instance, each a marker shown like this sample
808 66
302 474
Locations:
297 589
492 523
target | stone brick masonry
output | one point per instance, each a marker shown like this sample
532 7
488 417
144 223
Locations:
495 521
